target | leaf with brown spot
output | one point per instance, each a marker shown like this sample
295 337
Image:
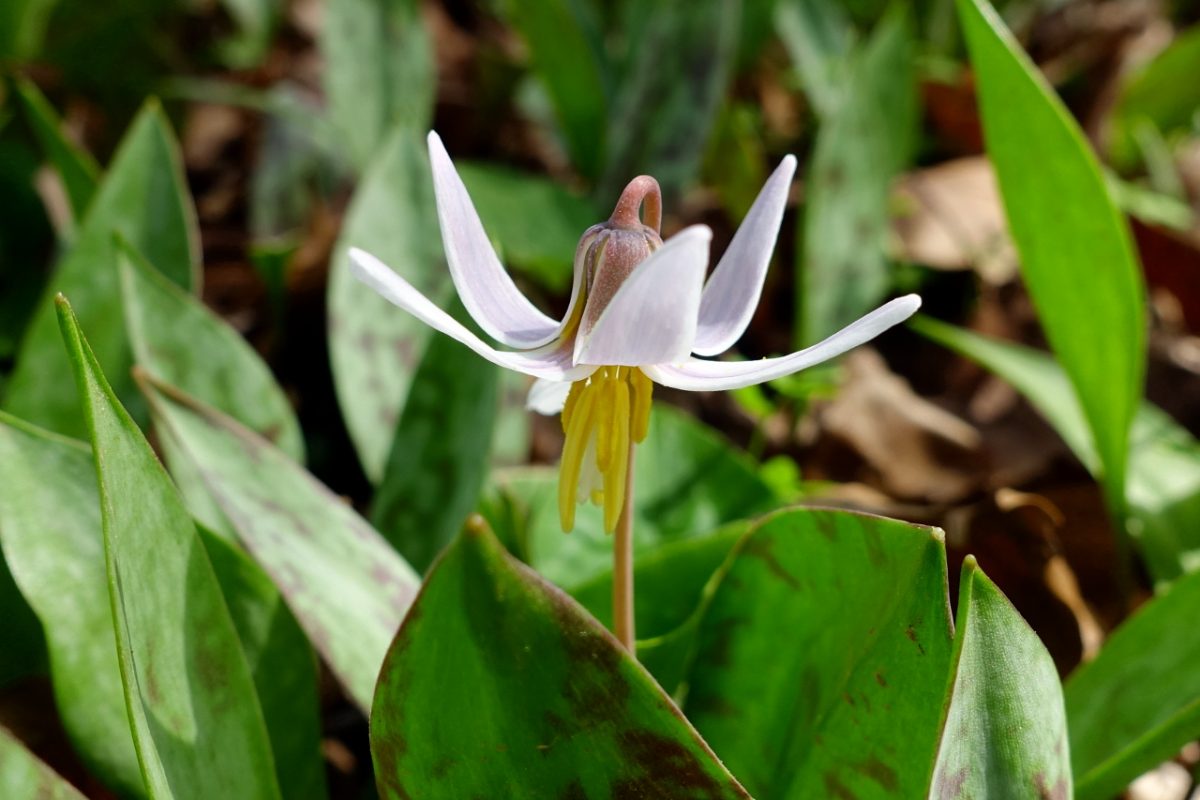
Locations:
813 608
195 716
347 588
1005 730
531 695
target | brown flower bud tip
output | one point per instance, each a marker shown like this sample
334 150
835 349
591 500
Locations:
641 190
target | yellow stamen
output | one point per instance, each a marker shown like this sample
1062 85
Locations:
579 429
618 446
643 387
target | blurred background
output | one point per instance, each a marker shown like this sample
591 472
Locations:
290 116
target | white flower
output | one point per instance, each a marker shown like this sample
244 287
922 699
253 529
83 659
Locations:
639 309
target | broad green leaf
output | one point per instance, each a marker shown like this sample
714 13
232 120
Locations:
440 453
1076 255
1164 93
681 59
179 340
1138 702
346 586
77 169
375 347
282 664
498 684
143 197
195 717
1162 493
687 482
51 532
822 657
535 222
378 72
1005 732
567 50
865 138
23 776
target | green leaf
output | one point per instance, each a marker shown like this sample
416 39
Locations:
195 717
1076 255
1163 92
51 532
535 222
23 27
23 776
1005 733
568 57
681 60
866 137
687 482
379 71
76 167
818 38
282 664
256 21
1162 494
1138 702
347 588
375 347
143 196
822 657
179 340
440 453
498 683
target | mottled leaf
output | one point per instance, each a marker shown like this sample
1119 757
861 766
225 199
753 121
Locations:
1005 731
75 167
179 340
378 72
23 776
822 657
195 717
143 196
498 684
1138 702
346 586
440 452
52 538
1077 258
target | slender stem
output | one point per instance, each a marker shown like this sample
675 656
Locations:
623 566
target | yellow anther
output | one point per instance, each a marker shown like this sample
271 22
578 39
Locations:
618 445
579 430
643 388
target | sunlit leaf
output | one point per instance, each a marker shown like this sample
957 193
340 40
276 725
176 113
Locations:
822 657
143 196
1005 732
1138 702
52 539
346 586
179 340
1077 259
193 710
498 684
23 776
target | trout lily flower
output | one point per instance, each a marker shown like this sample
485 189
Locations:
640 309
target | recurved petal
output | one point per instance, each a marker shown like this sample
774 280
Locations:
547 397
701 376
733 289
651 319
487 291
552 361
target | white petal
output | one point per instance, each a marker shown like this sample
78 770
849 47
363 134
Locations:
652 318
547 397
552 362
703 376
486 289
733 289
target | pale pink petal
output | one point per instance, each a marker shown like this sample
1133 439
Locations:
486 289
733 289
695 375
547 397
652 318
552 361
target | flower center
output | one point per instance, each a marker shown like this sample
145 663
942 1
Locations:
604 416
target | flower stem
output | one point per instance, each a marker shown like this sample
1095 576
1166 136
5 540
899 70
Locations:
623 566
